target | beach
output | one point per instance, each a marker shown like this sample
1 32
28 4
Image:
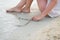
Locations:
11 29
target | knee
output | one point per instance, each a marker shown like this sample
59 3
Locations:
31 0
41 0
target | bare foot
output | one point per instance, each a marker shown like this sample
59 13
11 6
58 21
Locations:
14 9
26 10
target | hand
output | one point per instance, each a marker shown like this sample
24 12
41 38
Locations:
37 18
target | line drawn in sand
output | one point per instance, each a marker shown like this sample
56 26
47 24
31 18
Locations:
26 17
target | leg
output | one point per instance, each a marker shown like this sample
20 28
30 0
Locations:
18 7
42 5
26 9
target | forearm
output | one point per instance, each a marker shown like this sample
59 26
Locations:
49 8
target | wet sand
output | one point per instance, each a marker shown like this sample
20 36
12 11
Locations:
9 23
